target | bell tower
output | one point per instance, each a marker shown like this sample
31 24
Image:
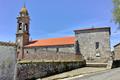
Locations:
22 34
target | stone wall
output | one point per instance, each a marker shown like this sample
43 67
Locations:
7 61
65 48
94 44
32 70
53 56
117 52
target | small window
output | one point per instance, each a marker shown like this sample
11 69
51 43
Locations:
35 49
46 48
77 47
97 54
26 51
57 49
97 45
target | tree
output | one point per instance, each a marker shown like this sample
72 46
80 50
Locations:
116 12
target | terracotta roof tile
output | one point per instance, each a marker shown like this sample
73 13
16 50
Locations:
52 42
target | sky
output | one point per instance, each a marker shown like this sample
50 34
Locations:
57 18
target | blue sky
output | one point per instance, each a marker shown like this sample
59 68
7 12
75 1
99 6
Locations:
57 18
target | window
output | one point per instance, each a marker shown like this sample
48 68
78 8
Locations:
26 51
22 14
35 49
97 54
57 49
97 45
77 47
20 26
26 27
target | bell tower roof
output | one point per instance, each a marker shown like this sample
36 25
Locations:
24 10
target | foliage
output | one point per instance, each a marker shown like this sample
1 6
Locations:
116 12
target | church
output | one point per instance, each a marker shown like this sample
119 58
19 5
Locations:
93 43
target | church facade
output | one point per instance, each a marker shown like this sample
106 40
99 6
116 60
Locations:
93 44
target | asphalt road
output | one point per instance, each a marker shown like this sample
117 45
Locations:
73 73
113 74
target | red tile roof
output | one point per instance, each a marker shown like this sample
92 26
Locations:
52 42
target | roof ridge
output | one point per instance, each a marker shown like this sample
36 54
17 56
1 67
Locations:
54 38
69 40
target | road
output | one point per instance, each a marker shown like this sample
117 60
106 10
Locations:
74 73
113 74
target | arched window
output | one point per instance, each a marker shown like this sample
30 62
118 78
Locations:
20 26
26 27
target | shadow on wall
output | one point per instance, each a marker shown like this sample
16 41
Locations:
116 63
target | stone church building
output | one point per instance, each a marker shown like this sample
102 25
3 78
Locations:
93 44
117 52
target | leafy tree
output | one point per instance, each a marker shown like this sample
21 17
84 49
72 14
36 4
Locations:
116 12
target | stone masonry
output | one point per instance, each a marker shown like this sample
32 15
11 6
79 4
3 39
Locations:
117 51
33 69
7 61
94 43
65 48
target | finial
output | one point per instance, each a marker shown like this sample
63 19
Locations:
24 2
24 5
24 9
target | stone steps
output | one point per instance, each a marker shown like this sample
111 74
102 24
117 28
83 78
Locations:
96 64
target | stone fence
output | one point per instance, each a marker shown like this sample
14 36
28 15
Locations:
7 44
46 63
32 70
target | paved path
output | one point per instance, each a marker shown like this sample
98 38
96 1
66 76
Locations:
76 72
113 74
